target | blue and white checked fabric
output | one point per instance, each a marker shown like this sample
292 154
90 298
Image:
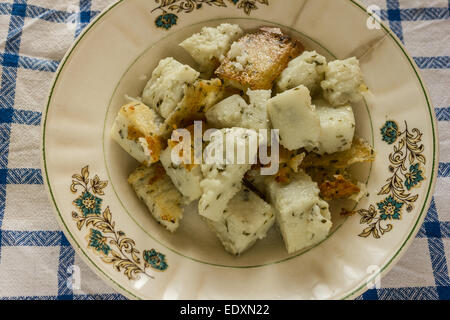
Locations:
36 260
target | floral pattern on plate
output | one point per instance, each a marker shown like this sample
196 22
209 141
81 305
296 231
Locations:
406 174
111 245
171 8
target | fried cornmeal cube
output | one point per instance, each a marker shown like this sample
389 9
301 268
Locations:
139 130
182 161
198 98
303 217
343 82
247 219
337 128
256 60
223 171
166 87
156 190
185 177
292 113
210 45
308 69
235 112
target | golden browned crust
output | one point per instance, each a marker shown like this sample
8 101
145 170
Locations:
145 124
360 151
322 174
338 188
269 52
145 120
293 159
334 183
166 201
159 174
198 98
148 175
172 143
284 174
329 171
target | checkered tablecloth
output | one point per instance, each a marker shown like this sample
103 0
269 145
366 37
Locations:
36 261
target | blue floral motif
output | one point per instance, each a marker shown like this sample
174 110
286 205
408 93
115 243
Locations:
88 204
407 172
98 242
390 132
413 177
166 20
390 209
155 259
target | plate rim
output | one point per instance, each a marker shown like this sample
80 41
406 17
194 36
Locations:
351 294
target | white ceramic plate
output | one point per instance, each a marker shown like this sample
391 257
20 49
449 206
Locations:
86 172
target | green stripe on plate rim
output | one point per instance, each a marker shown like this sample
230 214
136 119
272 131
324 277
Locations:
434 168
103 273
60 68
